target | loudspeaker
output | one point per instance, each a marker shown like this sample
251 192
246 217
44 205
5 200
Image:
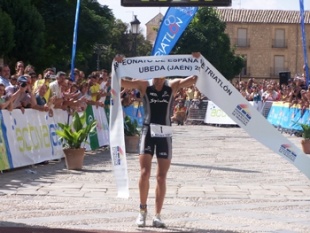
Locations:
284 77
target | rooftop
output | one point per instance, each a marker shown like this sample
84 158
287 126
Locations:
262 16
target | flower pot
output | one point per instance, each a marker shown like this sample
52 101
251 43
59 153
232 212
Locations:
132 144
305 144
74 158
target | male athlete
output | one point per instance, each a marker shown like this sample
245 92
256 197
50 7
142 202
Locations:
157 99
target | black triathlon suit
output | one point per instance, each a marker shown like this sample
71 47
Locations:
157 110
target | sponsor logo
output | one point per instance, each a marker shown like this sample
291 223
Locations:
242 113
285 150
165 94
153 94
158 101
117 155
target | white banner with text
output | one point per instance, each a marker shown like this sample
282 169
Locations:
212 84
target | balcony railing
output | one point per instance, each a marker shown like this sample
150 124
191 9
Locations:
274 71
279 43
242 42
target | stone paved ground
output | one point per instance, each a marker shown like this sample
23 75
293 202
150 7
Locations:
220 181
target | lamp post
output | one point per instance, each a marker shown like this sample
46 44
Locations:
135 32
99 49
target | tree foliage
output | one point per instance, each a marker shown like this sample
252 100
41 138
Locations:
41 33
28 31
206 35
6 34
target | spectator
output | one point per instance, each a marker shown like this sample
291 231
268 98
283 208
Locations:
94 87
5 73
33 78
24 98
5 102
179 113
13 80
189 96
29 69
270 94
41 103
108 98
55 88
256 97
48 77
19 68
126 97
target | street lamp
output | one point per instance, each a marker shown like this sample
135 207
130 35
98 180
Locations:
135 32
99 49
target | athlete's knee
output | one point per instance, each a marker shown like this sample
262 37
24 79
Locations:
161 178
145 173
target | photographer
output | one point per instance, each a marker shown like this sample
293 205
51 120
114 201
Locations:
24 99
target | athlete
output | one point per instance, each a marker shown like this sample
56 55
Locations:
157 99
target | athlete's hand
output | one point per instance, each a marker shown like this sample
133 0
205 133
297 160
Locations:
119 58
196 54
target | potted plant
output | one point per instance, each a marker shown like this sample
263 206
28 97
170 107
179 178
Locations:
132 135
305 143
74 136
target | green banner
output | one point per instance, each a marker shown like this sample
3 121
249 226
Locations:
93 137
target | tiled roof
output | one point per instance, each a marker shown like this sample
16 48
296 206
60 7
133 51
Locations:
261 16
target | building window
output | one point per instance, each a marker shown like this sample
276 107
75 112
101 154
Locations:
279 41
244 71
242 38
278 65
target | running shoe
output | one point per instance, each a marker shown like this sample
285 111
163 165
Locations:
157 222
141 219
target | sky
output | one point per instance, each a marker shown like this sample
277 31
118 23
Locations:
145 14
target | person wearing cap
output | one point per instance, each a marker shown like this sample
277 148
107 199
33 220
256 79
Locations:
33 77
5 101
13 80
24 99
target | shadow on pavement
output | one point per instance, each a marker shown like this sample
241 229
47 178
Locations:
214 168
13 227
59 230
15 178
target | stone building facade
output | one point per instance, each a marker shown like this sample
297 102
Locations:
152 27
270 40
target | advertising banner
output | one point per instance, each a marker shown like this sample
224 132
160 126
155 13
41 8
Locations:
171 28
215 115
30 137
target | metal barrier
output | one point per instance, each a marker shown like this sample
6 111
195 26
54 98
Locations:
197 112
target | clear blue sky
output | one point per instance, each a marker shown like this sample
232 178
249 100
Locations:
145 14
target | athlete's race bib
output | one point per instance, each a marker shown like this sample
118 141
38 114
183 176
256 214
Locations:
160 131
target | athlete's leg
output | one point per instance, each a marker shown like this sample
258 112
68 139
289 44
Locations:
161 176
145 173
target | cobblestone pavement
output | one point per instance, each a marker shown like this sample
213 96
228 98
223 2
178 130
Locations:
220 181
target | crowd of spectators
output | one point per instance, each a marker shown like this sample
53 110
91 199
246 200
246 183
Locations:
295 91
26 88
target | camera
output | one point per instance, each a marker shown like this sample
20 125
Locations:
23 84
